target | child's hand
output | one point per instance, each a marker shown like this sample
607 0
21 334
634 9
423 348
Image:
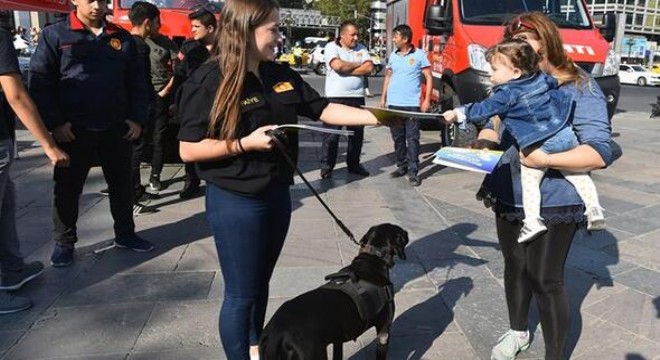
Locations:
449 116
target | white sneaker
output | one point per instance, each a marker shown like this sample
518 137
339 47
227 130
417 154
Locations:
509 345
530 230
595 218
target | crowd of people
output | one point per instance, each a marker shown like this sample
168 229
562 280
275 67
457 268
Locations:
117 91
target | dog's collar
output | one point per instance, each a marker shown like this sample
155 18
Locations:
378 252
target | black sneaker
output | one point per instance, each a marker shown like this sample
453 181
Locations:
190 190
414 180
139 209
326 173
105 192
14 280
399 172
154 182
134 243
10 304
358 170
62 255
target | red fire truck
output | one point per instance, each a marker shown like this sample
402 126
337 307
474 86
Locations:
173 15
456 33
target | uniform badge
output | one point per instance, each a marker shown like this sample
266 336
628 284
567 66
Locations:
411 61
115 43
282 87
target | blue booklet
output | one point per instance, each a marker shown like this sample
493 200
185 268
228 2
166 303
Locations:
479 160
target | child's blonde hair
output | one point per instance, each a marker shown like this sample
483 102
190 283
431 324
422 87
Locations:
519 53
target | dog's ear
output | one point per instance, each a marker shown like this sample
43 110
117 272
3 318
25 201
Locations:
369 236
400 242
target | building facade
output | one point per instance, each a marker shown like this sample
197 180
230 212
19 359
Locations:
641 29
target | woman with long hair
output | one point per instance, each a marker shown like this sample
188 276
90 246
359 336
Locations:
537 268
226 109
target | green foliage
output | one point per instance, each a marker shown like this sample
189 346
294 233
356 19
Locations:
347 10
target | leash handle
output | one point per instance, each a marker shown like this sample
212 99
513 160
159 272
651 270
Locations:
280 146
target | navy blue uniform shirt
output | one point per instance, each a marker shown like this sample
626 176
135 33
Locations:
8 65
94 82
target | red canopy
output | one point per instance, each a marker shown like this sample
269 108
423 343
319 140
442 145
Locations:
36 5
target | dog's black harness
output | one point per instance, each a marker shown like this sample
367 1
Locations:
369 298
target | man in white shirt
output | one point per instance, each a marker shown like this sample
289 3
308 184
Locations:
347 63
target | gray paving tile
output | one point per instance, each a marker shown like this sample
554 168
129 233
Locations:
440 271
305 230
42 296
643 253
589 334
602 265
78 332
481 313
140 287
8 339
198 257
178 354
410 276
289 282
217 289
622 347
630 310
643 280
310 253
117 356
180 325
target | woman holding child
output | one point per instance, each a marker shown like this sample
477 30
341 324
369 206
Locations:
537 267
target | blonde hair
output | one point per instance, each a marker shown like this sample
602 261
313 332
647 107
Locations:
238 20
552 48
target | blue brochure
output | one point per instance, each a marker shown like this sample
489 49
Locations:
479 160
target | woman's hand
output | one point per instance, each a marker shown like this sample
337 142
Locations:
258 140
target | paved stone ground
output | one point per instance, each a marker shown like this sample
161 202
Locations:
450 300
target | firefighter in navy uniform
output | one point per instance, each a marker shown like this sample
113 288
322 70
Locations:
193 53
90 89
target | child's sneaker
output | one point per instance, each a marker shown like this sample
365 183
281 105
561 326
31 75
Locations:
530 230
595 218
510 344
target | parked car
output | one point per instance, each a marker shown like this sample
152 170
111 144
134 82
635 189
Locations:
288 58
636 74
655 68
317 62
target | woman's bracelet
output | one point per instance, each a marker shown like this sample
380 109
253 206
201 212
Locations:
547 161
240 146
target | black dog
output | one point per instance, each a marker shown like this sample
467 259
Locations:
355 299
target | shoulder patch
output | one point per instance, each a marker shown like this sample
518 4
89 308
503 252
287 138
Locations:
283 86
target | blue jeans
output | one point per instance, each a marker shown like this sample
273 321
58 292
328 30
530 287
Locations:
249 234
10 254
562 141
406 141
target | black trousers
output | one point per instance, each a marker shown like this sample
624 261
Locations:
537 268
113 153
140 148
191 173
159 121
331 141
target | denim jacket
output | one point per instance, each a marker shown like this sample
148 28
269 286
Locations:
559 200
531 108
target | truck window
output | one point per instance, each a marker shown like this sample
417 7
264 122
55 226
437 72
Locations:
565 13
212 5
